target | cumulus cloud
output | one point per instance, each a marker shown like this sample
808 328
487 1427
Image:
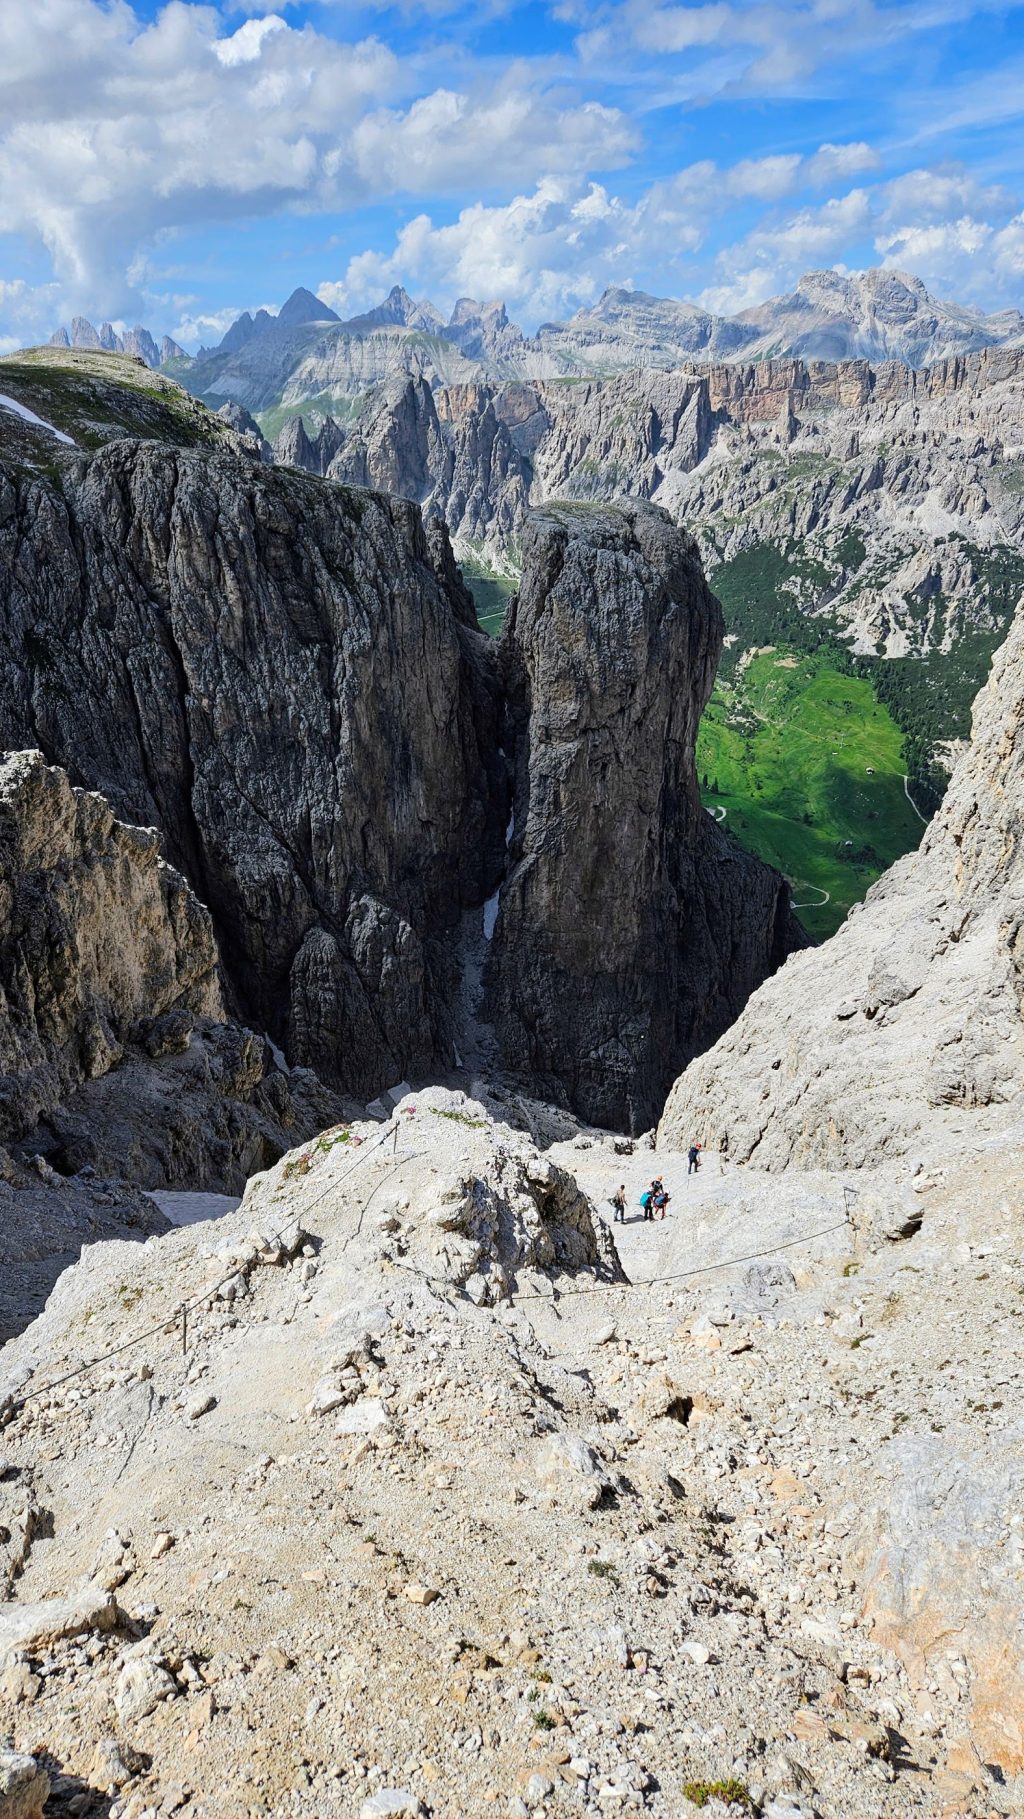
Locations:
554 249
544 253
769 259
117 132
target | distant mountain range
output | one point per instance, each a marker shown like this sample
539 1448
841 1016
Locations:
137 341
308 356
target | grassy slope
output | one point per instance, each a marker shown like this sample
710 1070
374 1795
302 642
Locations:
95 397
490 596
790 742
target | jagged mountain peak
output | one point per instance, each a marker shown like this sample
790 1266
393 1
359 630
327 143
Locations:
303 306
467 309
399 310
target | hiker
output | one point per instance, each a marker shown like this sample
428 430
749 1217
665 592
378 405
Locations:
694 1158
661 1198
647 1202
619 1205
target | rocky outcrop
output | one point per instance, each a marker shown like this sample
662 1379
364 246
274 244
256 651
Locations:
908 1025
117 1062
271 673
115 1045
294 448
99 938
629 929
286 679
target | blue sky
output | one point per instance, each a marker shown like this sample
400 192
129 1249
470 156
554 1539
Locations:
176 163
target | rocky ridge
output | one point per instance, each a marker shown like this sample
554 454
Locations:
306 352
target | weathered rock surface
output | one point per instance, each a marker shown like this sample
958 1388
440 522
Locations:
629 928
467 1555
286 679
906 1028
271 673
118 1061
98 937
24 1786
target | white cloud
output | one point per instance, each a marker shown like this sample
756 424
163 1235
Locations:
680 28
244 45
552 250
770 258
544 253
118 133
447 139
940 195
836 163
26 311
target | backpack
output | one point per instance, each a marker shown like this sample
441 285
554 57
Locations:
645 1199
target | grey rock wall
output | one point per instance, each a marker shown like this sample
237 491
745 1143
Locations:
630 931
269 671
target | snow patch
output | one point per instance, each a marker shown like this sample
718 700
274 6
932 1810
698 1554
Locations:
192 1209
22 410
491 915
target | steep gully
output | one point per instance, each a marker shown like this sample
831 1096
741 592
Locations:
286 679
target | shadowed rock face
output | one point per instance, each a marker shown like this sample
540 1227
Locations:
116 1052
630 929
269 670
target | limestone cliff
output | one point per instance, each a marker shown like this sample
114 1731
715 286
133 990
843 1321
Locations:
629 930
886 500
270 672
116 1049
117 1060
906 1029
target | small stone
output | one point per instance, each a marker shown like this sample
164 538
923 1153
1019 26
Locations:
162 1545
420 1594
391 1803
537 1788
20 1685
114 1764
697 1653
24 1786
200 1406
142 1685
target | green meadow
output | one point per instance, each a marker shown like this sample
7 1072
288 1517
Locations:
807 766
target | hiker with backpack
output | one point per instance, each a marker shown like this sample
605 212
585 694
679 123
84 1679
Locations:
619 1205
694 1158
661 1198
647 1201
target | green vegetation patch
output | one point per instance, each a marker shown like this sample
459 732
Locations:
314 411
731 1791
491 591
807 766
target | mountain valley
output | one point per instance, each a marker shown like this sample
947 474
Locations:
419 822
